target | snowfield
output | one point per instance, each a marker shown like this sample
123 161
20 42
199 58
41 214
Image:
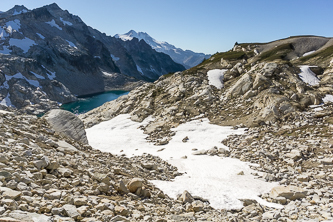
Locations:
215 77
52 23
212 178
308 76
23 44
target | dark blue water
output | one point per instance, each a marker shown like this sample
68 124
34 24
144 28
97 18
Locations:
87 103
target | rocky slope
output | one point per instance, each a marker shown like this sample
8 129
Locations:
187 58
46 173
264 87
258 89
49 55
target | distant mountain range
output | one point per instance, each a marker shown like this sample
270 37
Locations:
48 55
187 58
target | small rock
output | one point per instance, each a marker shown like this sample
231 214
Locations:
186 197
135 184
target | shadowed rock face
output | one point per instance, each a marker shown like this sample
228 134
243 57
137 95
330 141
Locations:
67 124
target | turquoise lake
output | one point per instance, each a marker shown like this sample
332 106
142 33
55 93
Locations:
87 103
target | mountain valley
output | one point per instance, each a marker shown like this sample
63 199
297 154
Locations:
244 135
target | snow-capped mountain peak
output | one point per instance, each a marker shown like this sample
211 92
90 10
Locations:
187 58
140 35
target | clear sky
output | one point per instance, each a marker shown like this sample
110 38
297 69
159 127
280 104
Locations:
207 26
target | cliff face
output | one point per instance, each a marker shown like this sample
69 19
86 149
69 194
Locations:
53 56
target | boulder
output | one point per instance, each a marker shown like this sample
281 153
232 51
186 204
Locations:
11 194
135 184
42 163
71 211
121 210
260 81
294 154
186 197
240 87
288 192
80 201
65 172
67 124
269 69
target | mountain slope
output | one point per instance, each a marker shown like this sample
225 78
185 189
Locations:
54 53
284 98
187 58
254 90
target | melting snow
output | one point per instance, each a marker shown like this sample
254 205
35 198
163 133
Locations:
328 98
54 24
71 44
308 76
3 33
124 37
38 76
213 178
50 74
66 22
139 69
40 36
20 12
13 25
6 101
114 58
215 77
20 76
5 50
309 53
24 44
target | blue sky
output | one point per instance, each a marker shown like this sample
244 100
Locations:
201 25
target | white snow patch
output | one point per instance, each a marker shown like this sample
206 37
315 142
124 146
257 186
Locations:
308 76
139 69
54 24
108 74
38 76
115 58
40 36
175 51
328 98
66 22
20 76
215 77
3 33
4 112
309 53
213 178
71 44
13 25
24 44
20 12
5 50
97 57
124 37
6 101
50 74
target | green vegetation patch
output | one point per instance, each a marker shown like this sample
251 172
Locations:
279 52
168 75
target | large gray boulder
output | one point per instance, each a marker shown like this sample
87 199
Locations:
67 124
240 87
